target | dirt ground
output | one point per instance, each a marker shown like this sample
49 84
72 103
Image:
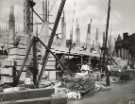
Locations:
118 94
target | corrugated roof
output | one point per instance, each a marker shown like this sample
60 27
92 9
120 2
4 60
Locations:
76 51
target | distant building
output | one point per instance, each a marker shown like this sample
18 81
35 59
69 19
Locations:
125 48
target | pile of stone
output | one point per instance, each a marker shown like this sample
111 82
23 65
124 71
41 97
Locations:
83 84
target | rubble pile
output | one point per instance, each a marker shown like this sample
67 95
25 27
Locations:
78 83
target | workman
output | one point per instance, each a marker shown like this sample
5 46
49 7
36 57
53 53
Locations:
85 67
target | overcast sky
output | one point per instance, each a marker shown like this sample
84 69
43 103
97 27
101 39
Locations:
122 14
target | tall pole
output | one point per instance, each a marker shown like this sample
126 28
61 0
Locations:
28 17
108 21
35 63
105 45
25 60
106 32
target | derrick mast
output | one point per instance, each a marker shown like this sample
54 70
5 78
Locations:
28 16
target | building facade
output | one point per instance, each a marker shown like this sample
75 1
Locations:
125 48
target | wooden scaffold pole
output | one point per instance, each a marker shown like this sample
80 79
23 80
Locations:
105 45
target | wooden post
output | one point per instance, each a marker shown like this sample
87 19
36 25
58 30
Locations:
25 59
14 75
35 65
105 50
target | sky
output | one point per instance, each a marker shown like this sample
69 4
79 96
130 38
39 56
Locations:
122 14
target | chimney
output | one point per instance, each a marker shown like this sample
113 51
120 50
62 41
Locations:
88 39
63 29
12 24
77 33
125 35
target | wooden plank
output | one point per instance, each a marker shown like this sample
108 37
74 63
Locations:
43 100
17 50
50 67
6 75
18 54
5 79
6 71
20 62
26 94
51 63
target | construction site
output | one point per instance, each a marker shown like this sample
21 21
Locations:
40 65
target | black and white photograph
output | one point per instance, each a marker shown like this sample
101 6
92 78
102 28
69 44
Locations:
67 52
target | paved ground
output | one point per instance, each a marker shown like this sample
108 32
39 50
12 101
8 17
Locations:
118 94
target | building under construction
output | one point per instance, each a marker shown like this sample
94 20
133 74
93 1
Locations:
37 57
16 43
